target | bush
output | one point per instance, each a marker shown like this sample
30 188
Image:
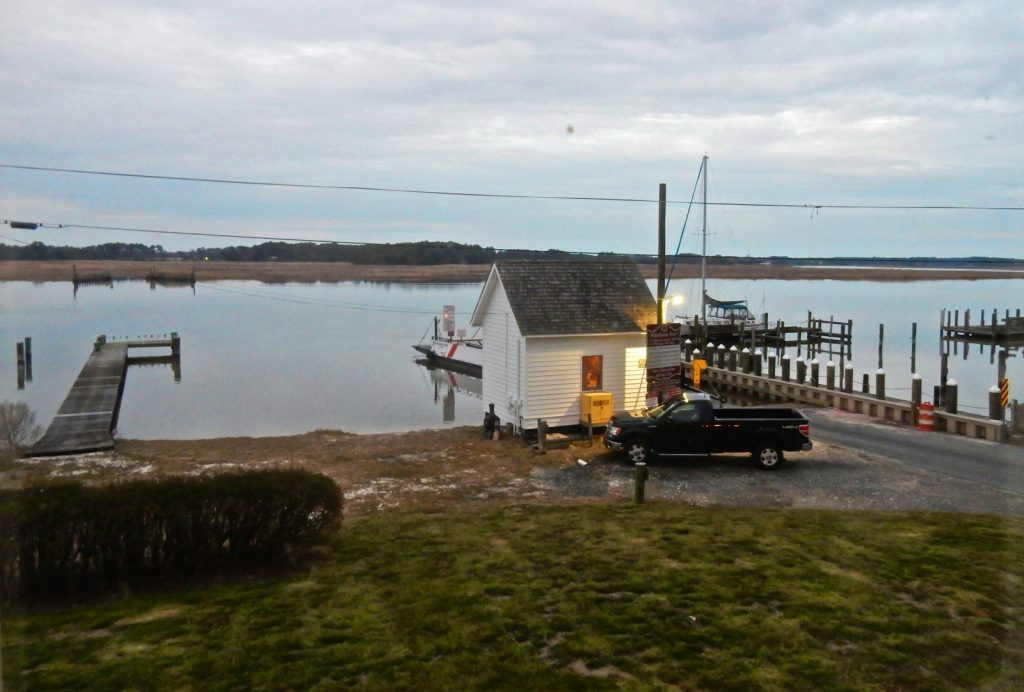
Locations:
18 428
64 538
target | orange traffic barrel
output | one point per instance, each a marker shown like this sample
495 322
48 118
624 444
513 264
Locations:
926 417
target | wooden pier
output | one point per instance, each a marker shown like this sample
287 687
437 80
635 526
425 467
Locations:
88 416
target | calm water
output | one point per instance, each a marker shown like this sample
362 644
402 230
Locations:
263 359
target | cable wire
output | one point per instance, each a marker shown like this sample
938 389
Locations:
498 195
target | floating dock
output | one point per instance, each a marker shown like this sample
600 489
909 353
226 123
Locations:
88 416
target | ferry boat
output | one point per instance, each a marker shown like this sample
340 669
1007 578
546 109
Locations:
452 349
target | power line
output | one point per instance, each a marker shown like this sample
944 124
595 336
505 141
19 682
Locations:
60 226
498 195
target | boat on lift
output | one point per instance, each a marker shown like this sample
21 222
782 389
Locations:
452 349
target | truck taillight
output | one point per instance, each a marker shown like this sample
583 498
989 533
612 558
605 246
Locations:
806 429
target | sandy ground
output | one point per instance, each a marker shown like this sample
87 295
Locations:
277 272
433 470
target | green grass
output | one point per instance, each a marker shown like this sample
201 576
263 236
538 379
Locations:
546 597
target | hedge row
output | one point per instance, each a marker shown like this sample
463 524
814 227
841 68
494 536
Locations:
64 538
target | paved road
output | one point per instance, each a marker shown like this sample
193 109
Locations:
998 466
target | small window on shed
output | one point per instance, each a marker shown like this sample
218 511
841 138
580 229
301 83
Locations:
593 367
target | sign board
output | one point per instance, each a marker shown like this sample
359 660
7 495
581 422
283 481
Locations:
664 364
699 366
448 319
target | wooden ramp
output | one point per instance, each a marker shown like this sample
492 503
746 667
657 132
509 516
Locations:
86 419
89 413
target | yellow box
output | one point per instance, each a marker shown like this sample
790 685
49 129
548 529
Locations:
598 405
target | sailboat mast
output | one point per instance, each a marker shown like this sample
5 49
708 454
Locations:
704 246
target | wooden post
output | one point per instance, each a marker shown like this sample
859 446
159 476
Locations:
880 384
951 396
590 429
866 384
28 358
830 375
785 368
661 252
913 348
542 433
995 407
639 480
915 398
881 338
848 378
815 371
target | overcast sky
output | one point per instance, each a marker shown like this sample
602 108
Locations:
877 103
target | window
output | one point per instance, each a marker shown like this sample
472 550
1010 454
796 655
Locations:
592 372
684 413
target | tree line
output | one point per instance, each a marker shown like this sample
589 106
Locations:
435 252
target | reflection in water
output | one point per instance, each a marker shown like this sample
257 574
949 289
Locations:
158 361
445 384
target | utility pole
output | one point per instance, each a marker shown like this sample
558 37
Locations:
662 202
704 246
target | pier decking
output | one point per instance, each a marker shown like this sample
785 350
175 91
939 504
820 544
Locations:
86 419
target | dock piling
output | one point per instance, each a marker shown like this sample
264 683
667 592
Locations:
951 396
915 398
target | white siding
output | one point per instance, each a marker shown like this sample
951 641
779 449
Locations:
502 357
553 375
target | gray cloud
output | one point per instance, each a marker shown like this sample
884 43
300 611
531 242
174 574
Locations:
795 102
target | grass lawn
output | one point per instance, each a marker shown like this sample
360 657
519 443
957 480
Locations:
584 597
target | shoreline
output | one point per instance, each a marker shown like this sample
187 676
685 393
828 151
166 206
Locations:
336 272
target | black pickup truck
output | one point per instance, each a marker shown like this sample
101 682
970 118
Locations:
690 424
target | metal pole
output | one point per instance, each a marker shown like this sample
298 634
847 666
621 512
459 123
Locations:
704 246
662 195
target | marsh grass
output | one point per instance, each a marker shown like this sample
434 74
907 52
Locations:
575 597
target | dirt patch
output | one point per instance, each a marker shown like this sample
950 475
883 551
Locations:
434 470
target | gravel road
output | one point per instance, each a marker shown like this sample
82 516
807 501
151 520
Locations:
831 476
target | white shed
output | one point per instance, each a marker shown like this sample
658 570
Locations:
555 329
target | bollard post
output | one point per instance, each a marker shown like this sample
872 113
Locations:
746 361
951 392
721 356
733 354
755 362
687 350
848 379
639 480
785 368
880 384
771 366
995 403
915 398
801 370
830 375
814 373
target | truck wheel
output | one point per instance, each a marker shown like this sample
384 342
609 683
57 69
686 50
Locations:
768 455
638 451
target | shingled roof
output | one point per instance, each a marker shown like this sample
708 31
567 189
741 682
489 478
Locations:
576 296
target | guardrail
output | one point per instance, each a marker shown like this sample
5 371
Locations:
882 408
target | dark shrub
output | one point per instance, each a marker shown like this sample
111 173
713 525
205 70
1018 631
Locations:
63 538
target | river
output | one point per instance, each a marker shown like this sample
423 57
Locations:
275 359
